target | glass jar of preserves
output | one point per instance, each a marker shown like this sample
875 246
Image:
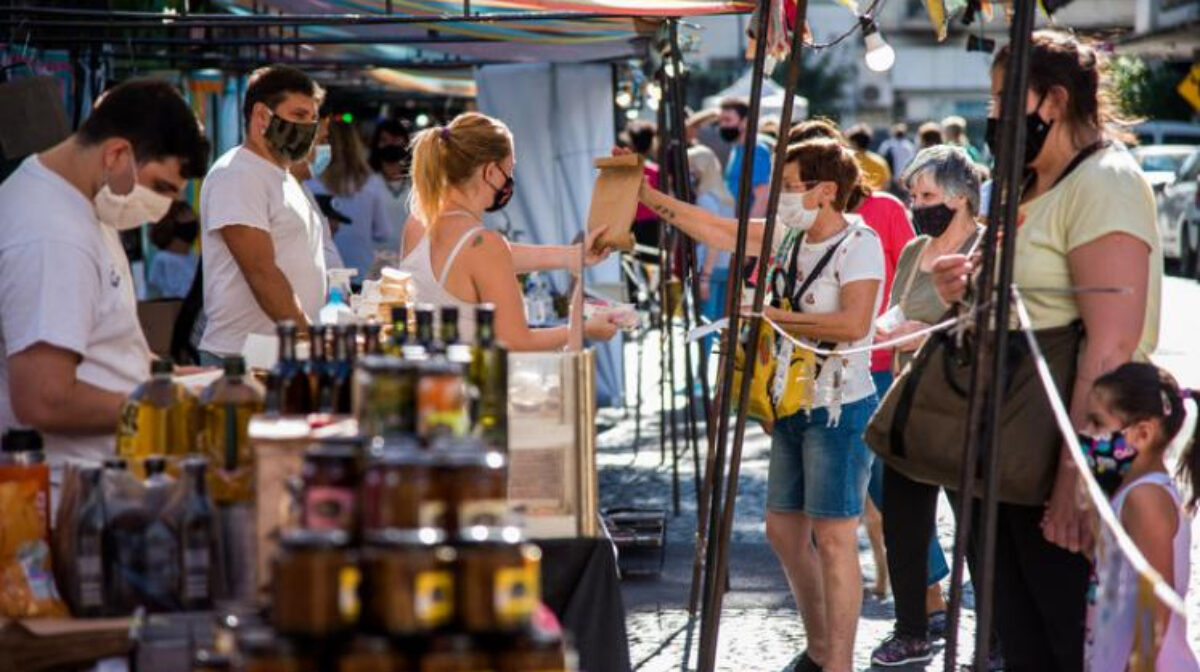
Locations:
533 652
386 396
331 483
408 581
441 400
456 653
401 491
373 654
475 482
499 579
314 584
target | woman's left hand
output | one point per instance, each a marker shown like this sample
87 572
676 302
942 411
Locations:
908 327
1067 519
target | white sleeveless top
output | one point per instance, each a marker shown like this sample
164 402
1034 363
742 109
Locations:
1113 607
431 289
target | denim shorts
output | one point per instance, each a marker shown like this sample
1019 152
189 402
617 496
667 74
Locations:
820 470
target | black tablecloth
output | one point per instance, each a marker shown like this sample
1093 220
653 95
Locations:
581 586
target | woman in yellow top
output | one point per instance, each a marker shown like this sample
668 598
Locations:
1087 219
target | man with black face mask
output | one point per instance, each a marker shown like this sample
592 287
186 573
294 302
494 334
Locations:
732 125
391 158
263 254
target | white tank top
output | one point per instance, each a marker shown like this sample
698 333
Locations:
1112 610
431 289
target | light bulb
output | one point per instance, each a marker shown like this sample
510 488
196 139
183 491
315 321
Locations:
624 99
880 55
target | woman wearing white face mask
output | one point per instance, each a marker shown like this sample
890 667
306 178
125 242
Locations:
819 464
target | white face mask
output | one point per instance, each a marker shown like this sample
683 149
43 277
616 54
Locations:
128 211
793 214
321 159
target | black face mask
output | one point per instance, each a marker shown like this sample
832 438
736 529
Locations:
290 140
504 194
391 154
933 220
729 133
1036 132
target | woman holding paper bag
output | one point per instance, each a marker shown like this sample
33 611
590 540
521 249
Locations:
831 268
459 172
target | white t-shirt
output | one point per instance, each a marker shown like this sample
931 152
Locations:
64 280
860 257
333 258
243 188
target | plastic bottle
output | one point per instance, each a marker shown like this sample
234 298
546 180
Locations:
160 568
337 311
226 407
85 584
190 514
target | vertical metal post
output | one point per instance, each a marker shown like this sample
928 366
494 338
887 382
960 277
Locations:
717 569
990 362
666 250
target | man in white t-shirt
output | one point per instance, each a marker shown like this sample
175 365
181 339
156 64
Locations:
263 254
71 347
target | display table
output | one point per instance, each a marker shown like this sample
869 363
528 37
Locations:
42 644
581 586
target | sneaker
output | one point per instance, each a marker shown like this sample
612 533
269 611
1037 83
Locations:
802 663
937 626
900 650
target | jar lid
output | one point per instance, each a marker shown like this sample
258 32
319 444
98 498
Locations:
263 641
479 534
371 644
411 456
466 452
392 537
303 539
381 363
330 449
440 367
22 441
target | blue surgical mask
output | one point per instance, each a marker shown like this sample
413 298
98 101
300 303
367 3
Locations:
321 158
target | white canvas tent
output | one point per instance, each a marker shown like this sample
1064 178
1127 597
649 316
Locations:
772 98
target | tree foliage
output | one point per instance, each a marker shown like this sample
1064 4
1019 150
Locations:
1147 90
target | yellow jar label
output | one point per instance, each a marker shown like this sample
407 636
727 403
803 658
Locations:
434 598
516 594
432 514
348 604
485 512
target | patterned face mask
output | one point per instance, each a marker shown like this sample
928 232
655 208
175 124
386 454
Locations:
290 140
1110 458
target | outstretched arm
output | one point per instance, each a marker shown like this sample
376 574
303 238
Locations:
700 224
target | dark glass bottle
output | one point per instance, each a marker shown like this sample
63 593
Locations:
349 333
290 385
488 380
399 339
160 563
426 338
85 585
318 368
372 343
449 332
124 538
341 372
191 515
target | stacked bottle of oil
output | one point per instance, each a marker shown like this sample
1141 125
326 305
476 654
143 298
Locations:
407 556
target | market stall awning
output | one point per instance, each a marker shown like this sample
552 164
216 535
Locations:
451 86
605 29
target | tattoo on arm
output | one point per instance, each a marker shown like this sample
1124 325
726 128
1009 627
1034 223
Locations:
664 211
478 240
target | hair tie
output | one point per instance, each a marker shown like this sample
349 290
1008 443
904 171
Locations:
445 133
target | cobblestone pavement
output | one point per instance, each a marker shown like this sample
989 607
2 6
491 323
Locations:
760 629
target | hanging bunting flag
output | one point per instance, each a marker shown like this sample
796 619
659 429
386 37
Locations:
940 12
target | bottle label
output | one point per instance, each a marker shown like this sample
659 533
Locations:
516 594
90 570
348 603
485 512
434 603
34 558
127 426
329 508
432 514
195 574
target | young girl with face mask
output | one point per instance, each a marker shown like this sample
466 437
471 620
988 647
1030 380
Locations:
1133 415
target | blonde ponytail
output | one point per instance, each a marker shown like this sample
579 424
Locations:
445 156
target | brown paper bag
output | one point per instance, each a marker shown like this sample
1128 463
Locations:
614 201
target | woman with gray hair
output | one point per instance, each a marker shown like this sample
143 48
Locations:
943 184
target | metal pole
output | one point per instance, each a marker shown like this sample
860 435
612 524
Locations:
716 570
666 243
990 361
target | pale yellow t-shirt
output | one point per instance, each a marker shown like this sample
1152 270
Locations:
1105 194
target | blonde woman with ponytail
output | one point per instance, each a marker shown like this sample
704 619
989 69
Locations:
459 172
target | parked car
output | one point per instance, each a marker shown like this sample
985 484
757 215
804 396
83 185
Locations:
1161 163
1179 218
1167 133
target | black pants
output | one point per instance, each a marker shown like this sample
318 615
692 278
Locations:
909 512
1041 595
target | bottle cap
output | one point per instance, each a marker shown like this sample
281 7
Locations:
22 441
399 313
235 366
163 366
155 465
117 463
286 327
